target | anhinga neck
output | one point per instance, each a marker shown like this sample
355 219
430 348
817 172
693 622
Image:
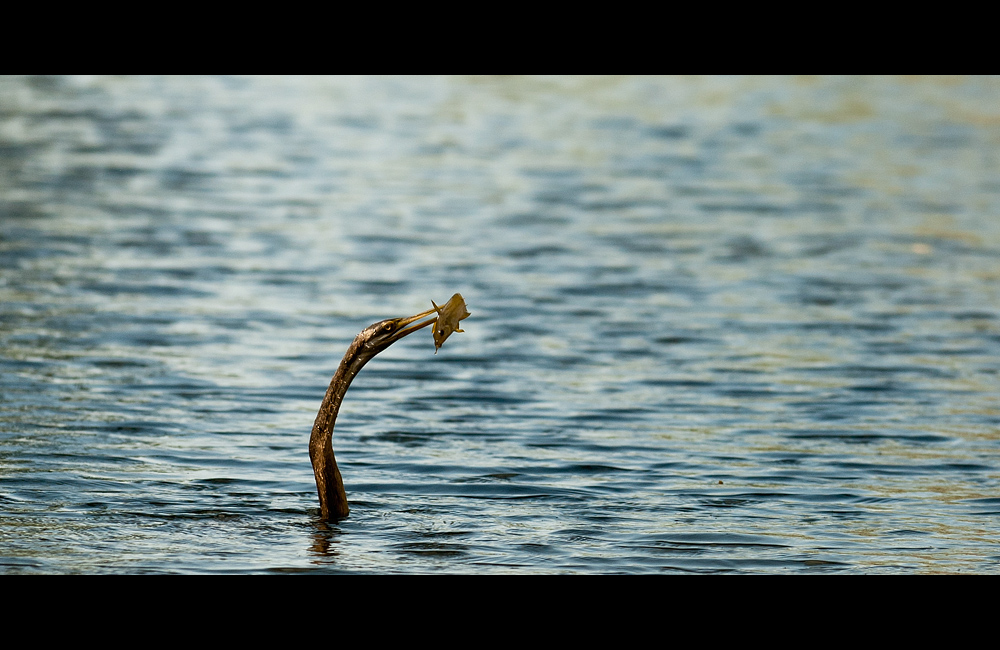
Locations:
332 497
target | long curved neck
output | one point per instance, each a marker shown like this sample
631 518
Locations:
332 497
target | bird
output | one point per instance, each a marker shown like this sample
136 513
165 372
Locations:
373 339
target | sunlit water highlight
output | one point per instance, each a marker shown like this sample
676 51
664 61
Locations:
718 325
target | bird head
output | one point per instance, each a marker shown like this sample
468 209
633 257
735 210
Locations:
378 336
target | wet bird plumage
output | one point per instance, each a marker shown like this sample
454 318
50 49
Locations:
366 345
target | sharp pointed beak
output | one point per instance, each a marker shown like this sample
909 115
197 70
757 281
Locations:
412 324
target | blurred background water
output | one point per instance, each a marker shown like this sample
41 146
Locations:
718 324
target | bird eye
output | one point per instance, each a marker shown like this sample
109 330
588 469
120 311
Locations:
388 327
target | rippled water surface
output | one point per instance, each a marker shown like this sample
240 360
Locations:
718 324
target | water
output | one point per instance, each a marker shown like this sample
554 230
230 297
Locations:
718 324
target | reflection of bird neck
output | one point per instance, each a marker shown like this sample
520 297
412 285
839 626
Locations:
332 497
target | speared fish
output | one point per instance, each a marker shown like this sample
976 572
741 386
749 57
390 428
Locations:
448 316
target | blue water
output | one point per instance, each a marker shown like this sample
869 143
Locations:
718 324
